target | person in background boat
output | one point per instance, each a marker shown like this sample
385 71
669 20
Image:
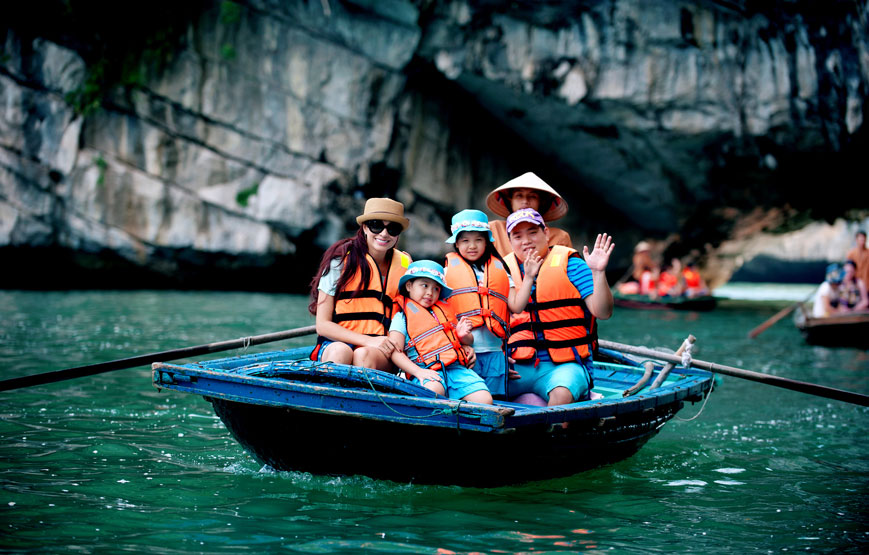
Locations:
526 191
485 292
670 281
694 284
644 274
852 290
551 341
435 346
827 298
354 292
860 255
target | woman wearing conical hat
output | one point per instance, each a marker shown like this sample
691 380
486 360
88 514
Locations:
526 191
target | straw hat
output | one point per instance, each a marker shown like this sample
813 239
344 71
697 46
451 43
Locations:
383 209
498 200
642 246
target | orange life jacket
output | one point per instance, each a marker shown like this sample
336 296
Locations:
432 332
370 310
483 304
692 278
666 282
556 310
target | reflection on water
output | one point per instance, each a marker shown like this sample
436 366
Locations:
109 463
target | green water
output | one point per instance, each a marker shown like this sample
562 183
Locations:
109 464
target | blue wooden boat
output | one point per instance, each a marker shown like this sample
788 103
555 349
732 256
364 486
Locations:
294 414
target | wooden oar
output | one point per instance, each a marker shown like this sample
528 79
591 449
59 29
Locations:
141 360
804 387
777 316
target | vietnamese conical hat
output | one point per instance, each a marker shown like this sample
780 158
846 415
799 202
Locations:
499 202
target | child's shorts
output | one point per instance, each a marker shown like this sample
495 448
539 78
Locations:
460 381
546 376
492 367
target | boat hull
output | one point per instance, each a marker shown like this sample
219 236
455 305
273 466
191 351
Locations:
341 445
849 330
294 414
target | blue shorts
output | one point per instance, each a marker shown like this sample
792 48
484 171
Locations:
546 376
460 381
326 343
492 367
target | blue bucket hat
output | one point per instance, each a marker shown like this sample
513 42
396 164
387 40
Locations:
469 220
427 269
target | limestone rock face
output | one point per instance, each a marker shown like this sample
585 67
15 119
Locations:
259 142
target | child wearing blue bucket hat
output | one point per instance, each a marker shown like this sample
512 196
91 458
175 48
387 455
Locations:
484 291
434 342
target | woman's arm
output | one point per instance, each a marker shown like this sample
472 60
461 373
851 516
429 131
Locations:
863 303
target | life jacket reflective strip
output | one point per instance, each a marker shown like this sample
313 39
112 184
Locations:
483 304
432 332
556 311
368 308
692 277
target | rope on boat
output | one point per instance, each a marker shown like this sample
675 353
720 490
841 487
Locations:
708 395
451 410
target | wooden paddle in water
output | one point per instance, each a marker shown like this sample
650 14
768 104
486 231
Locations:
794 385
142 360
777 316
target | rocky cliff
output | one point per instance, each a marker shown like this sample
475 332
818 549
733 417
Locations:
224 144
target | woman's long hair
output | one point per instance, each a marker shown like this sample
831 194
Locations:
355 248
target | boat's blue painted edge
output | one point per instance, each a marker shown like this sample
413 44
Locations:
221 378
407 409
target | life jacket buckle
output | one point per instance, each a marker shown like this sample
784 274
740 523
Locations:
483 290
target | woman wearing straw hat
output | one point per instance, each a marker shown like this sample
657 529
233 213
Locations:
526 191
354 292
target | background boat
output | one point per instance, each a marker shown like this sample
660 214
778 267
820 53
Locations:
702 303
840 330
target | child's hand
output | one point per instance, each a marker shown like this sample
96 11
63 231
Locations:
428 374
464 327
472 356
532 264
511 373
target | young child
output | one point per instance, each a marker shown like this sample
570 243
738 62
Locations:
484 291
434 343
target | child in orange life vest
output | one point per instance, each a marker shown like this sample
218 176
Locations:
694 284
670 280
484 291
436 348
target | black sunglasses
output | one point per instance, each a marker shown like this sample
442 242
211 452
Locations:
376 226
